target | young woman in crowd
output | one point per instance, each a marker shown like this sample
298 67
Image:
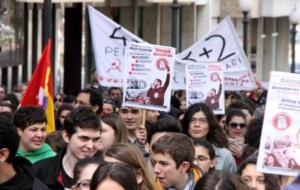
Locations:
130 154
199 122
205 156
62 113
257 180
113 131
114 176
83 172
236 129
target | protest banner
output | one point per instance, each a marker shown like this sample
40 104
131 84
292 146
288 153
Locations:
219 45
279 151
204 83
109 42
148 74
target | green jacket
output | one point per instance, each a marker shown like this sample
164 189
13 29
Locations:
33 156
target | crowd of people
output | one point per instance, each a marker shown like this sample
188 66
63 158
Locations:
100 144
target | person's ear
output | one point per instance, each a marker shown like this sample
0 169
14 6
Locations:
139 176
4 154
213 163
185 166
19 131
65 136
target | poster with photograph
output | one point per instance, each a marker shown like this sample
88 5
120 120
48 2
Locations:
204 83
148 74
279 151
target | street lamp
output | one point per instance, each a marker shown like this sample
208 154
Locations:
294 18
245 6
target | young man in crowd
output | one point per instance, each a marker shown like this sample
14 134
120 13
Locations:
173 156
115 93
30 122
15 172
82 134
90 97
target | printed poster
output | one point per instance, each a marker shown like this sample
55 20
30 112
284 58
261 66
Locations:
279 151
222 45
205 84
148 74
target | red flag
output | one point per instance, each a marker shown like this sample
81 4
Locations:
40 89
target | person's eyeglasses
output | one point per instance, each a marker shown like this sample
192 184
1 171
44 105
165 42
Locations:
83 184
133 111
63 116
201 158
236 125
57 100
199 120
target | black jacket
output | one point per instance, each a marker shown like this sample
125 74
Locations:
48 171
24 179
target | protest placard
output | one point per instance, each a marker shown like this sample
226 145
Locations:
279 151
109 42
204 83
148 74
221 44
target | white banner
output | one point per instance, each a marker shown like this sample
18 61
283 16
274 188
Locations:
221 45
279 151
109 43
204 83
148 74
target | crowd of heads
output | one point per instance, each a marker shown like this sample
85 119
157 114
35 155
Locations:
99 144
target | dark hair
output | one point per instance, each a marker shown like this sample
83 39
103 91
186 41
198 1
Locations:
240 105
234 113
82 117
111 102
13 99
4 87
180 147
63 107
118 125
96 98
56 141
81 164
121 173
206 144
221 181
165 124
271 181
215 134
252 137
29 115
9 137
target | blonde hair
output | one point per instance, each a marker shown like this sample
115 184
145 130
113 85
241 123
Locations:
130 154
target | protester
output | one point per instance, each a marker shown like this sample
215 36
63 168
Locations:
129 154
56 141
82 134
245 108
235 128
116 176
83 172
59 100
115 93
205 156
16 173
113 131
30 122
108 106
199 122
2 91
90 97
152 116
173 156
255 179
221 181
62 113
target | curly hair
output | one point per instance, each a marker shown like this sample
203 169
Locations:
215 134
29 115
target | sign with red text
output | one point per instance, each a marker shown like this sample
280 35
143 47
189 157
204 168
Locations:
220 45
279 151
148 74
109 43
204 83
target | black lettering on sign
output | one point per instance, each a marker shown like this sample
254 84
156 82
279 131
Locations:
188 58
118 37
205 52
221 57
